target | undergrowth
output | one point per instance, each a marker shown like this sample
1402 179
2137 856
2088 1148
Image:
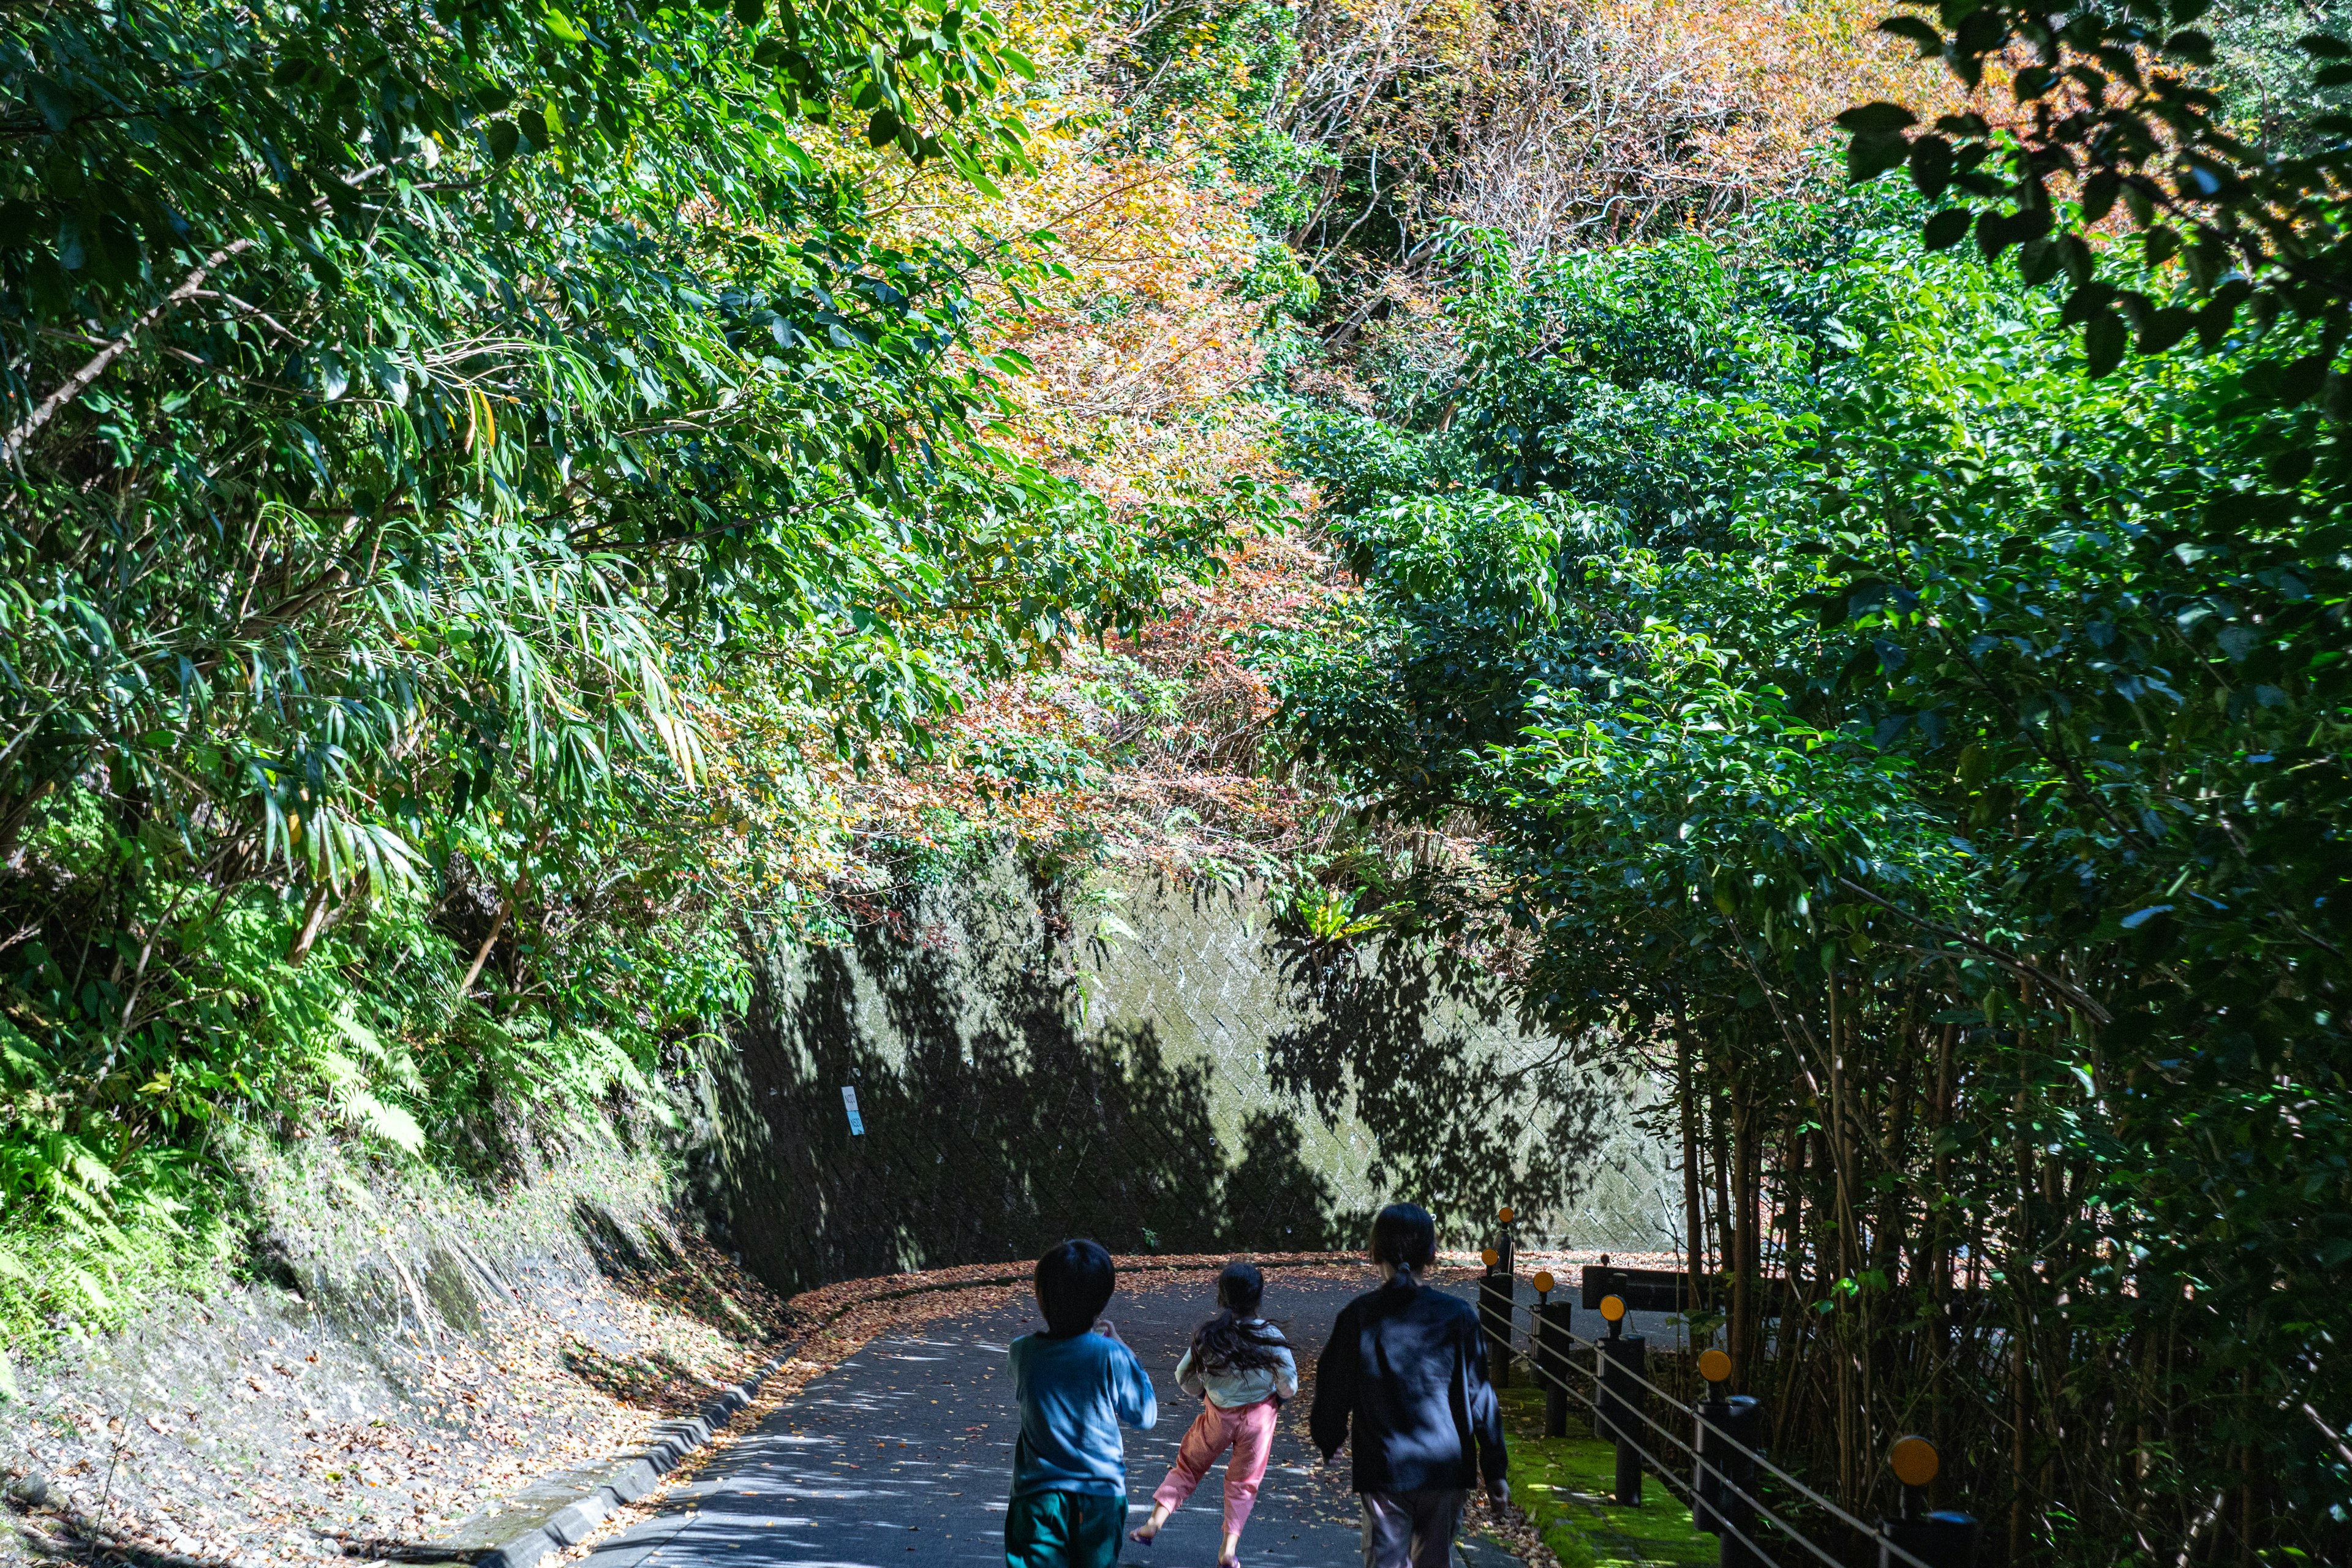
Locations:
140 1051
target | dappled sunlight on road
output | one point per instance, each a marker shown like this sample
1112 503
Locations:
903 1454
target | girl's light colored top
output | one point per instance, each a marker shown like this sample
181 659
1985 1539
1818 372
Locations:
1231 1390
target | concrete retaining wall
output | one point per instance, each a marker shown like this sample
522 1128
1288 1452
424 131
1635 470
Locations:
1160 1067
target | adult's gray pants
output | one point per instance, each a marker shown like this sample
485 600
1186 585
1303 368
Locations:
1411 1530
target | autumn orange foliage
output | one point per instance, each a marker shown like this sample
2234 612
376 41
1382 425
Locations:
1141 339
1561 123
1171 727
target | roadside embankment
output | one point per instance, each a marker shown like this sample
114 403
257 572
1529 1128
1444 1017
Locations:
401 1350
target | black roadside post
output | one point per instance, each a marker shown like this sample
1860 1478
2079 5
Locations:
1746 1428
1623 1360
1497 1298
1726 1475
1554 1325
1715 1368
1941 1539
1603 1427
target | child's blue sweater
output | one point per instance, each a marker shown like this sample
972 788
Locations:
1074 1395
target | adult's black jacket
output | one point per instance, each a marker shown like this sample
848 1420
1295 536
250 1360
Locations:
1406 1368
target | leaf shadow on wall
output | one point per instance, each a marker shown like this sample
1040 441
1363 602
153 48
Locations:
1456 1125
989 1132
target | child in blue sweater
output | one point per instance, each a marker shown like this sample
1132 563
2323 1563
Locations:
1077 1384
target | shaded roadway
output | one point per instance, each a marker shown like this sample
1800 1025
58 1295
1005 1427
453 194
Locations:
903 1454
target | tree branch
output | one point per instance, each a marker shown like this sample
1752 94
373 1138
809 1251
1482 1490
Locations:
2011 962
80 381
482 954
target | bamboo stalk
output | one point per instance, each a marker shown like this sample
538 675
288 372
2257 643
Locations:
1718 1139
2020 1277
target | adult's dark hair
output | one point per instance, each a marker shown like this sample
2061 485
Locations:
1075 1281
1225 1343
1404 1235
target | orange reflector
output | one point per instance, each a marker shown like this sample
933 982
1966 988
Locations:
1612 1308
1915 1460
1715 1366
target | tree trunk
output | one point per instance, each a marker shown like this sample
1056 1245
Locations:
1745 1252
1692 1218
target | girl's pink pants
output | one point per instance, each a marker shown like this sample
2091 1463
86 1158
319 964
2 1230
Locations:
1246 1429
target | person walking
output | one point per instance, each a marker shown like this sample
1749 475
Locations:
1405 1374
1077 1384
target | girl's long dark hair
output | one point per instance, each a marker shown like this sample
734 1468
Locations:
1224 1344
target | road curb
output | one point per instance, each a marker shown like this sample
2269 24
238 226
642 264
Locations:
596 1493
825 1303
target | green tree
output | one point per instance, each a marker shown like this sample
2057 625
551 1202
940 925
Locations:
2227 162
1958 817
422 422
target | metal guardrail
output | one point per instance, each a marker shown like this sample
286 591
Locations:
1890 1551
1671 1478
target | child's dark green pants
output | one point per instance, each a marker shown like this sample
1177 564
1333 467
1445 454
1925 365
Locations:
1063 1530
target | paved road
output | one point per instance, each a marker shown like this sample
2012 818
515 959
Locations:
903 1454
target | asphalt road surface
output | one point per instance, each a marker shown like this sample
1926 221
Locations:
903 1454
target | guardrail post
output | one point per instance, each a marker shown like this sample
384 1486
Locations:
1555 1322
1714 1410
1723 1509
1941 1539
1623 1361
1498 1299
1600 1426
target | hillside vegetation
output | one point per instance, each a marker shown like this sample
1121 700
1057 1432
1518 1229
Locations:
1815 548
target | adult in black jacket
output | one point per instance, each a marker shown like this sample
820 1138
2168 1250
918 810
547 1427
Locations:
1406 1369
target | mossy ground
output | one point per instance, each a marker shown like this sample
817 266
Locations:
1564 1484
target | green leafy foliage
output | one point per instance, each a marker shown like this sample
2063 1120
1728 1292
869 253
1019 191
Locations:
2230 164
438 436
1946 779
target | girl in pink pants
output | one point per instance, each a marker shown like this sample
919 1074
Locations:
1242 1371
